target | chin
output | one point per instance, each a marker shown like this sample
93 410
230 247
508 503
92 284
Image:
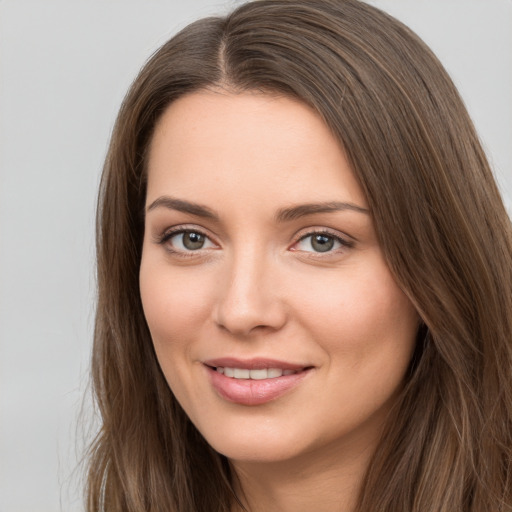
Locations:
257 452
258 445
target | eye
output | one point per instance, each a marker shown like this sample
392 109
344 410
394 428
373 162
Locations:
321 243
187 240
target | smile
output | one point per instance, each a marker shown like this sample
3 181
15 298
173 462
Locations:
255 381
254 374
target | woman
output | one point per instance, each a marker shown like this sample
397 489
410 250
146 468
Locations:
304 277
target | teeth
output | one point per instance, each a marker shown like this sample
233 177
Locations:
259 374
242 373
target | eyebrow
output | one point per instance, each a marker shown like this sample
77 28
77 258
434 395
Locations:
282 215
295 212
181 205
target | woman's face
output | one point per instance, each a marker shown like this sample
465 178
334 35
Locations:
273 314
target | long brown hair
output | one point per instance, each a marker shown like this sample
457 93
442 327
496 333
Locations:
442 227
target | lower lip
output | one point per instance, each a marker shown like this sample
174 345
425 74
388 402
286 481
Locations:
253 392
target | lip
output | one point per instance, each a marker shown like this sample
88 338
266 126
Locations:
254 392
256 363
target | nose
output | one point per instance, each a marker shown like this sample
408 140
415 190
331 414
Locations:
250 299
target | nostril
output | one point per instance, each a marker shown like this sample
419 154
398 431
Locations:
248 302
248 331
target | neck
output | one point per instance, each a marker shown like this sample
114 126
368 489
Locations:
329 480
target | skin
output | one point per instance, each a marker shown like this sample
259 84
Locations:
259 288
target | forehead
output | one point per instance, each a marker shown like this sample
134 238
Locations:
251 144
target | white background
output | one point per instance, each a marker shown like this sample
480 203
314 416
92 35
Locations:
64 68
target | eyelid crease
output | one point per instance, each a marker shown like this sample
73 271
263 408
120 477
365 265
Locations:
176 230
344 242
164 237
321 230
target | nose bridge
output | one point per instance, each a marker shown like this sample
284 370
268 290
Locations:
248 297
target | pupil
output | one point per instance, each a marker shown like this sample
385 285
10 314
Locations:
322 243
193 240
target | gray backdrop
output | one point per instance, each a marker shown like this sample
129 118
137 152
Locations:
64 67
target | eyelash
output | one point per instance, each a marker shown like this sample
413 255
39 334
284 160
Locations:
344 243
178 230
167 235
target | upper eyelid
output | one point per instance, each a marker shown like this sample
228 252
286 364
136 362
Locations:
343 242
164 237
305 232
175 230
298 236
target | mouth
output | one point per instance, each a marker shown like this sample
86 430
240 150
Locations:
259 374
255 381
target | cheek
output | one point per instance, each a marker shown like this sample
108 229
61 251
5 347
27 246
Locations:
361 317
175 304
366 327
176 308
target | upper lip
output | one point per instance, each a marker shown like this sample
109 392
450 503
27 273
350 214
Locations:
257 363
